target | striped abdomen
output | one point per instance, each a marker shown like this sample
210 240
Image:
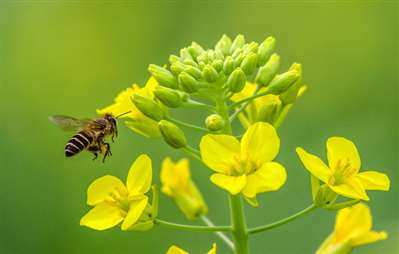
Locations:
77 143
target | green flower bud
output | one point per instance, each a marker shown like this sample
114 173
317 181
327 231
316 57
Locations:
148 107
265 50
173 59
219 55
269 110
251 47
190 62
224 45
291 94
236 80
282 82
185 54
195 50
238 60
203 57
237 52
210 74
214 122
218 65
163 76
228 65
169 97
188 83
172 134
194 72
248 65
267 72
211 55
177 67
201 65
238 42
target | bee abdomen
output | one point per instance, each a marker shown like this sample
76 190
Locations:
77 143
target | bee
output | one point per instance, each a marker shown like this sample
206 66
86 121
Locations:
90 134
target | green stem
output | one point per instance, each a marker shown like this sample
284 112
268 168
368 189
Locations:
224 113
192 227
250 98
239 226
282 221
245 101
187 125
192 152
221 235
283 114
197 104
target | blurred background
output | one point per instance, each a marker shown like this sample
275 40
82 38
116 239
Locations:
71 57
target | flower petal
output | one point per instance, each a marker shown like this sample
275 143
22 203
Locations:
175 250
102 187
101 217
270 177
260 143
314 164
140 175
136 208
213 250
233 184
350 188
352 222
341 149
373 180
220 152
175 175
369 237
122 103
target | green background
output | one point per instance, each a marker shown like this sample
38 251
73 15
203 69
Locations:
70 57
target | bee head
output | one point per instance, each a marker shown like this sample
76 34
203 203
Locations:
110 119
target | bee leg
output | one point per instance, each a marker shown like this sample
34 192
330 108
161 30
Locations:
95 156
107 149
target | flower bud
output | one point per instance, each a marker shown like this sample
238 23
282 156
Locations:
217 64
201 65
331 246
190 62
195 49
265 50
177 67
148 107
251 47
238 60
238 42
237 52
169 97
210 74
270 108
248 65
214 122
173 59
228 65
163 76
188 83
211 55
203 57
177 184
267 72
219 55
236 80
172 134
224 44
282 82
291 94
194 72
185 54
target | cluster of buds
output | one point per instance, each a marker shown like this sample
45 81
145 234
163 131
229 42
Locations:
225 70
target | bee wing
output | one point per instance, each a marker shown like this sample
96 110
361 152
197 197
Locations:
68 123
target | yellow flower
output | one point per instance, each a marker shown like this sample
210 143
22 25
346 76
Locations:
176 250
352 228
342 175
177 184
245 167
139 123
115 202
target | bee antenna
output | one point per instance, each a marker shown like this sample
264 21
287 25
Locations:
123 114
